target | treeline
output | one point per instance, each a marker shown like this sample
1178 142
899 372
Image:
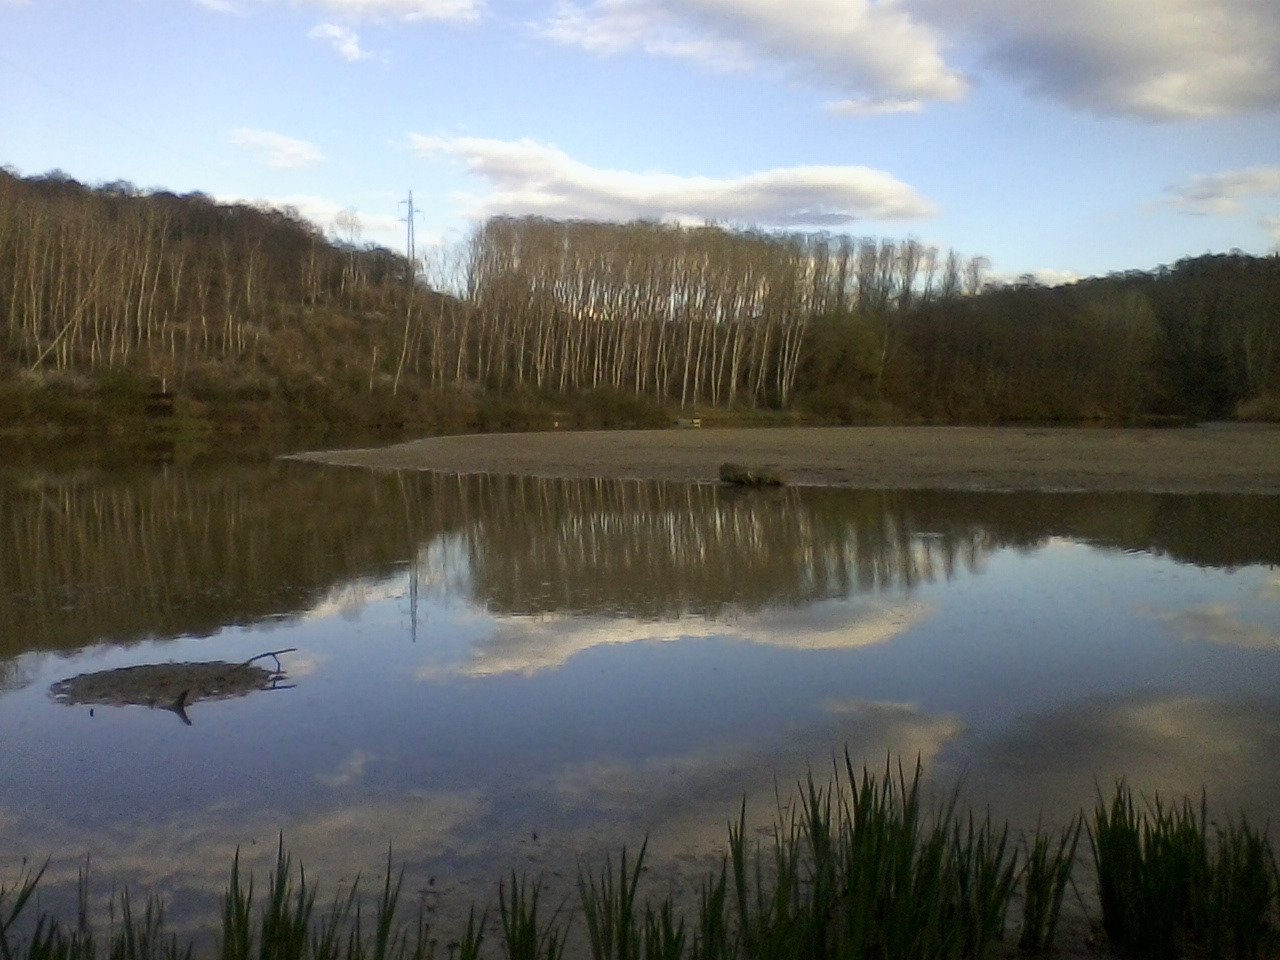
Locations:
1199 339
689 316
110 285
114 279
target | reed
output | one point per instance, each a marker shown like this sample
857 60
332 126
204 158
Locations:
856 868
609 908
524 935
1045 875
1169 887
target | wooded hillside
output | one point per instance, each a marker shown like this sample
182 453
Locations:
108 286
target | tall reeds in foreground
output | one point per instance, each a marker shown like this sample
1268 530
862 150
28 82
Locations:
1169 887
609 908
524 935
858 868
869 873
1045 875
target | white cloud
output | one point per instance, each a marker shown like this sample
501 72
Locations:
529 178
1044 276
1224 193
323 213
277 150
465 11
345 41
865 107
872 51
1153 59
1051 277
610 27
1272 226
378 11
382 229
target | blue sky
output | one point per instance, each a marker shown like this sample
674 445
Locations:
1068 138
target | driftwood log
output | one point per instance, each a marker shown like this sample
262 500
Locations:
740 476
173 686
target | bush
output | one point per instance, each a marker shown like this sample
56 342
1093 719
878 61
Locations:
1264 408
607 409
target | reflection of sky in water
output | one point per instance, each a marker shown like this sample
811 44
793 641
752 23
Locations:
426 718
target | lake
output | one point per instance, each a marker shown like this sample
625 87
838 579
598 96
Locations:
485 673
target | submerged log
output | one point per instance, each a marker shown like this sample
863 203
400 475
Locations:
740 476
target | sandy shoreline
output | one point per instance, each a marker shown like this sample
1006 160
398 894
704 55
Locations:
1215 458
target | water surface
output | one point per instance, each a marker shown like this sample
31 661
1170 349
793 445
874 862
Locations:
486 673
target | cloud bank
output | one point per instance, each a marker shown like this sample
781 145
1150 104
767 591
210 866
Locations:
874 55
1149 59
530 178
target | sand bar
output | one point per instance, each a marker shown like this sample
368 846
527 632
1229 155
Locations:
1218 458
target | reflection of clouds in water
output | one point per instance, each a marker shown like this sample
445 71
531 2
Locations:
303 664
1173 745
1220 624
527 645
191 854
685 801
833 625
349 771
349 600
1271 589
579 810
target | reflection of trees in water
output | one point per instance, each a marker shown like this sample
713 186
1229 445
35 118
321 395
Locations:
172 552
648 549
176 551
1211 529
659 550
14 675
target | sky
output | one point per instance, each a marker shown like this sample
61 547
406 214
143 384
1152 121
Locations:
1061 139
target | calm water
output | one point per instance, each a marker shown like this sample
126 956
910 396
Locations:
489 673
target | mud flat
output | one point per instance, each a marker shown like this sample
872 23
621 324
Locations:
1212 458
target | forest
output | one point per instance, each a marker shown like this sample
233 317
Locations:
251 318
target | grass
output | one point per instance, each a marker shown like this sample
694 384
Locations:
856 868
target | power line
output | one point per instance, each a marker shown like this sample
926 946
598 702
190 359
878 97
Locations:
408 219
